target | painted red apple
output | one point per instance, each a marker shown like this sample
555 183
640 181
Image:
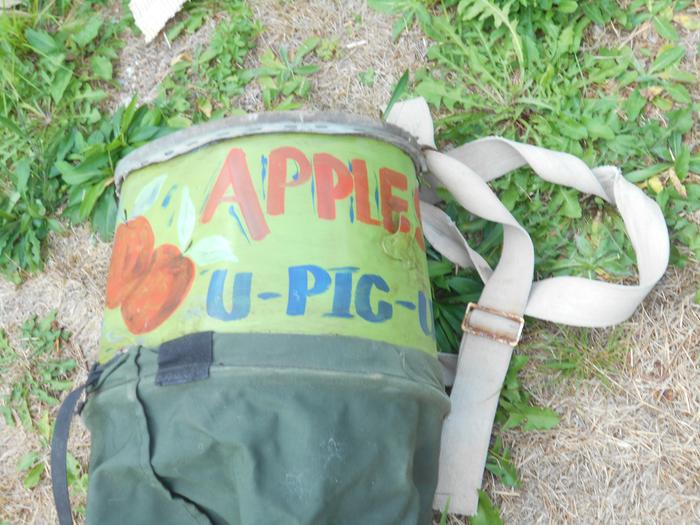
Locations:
131 258
160 292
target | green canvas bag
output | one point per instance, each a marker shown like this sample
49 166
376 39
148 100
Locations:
268 351
285 429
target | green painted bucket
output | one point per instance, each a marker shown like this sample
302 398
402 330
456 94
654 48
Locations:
285 223
269 297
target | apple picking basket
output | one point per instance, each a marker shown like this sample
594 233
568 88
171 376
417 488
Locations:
268 352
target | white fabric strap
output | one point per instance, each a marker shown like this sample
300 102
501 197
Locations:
508 289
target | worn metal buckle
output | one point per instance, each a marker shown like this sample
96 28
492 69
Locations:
501 338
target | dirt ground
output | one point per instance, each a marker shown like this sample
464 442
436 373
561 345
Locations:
628 446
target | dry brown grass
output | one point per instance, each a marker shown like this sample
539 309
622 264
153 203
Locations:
142 66
628 447
72 283
363 42
626 450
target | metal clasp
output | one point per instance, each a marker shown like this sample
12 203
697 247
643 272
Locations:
501 338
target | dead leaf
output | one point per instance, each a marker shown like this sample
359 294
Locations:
655 184
689 22
668 394
677 184
182 57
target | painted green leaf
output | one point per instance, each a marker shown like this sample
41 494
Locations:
211 250
186 219
147 196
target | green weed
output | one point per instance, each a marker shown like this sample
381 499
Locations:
486 513
327 49
579 353
60 151
445 513
36 377
205 84
284 77
55 62
367 77
45 373
515 409
198 88
398 91
530 70
519 69
88 168
409 11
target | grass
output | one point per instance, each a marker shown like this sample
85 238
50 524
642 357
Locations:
36 376
55 62
578 353
284 77
206 84
527 70
60 147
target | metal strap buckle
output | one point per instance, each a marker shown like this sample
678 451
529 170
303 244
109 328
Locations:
501 338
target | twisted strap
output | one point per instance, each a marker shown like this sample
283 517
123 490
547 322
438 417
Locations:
493 326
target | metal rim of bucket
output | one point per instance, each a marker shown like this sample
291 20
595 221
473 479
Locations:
323 123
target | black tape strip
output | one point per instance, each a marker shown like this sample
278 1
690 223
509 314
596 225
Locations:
185 359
